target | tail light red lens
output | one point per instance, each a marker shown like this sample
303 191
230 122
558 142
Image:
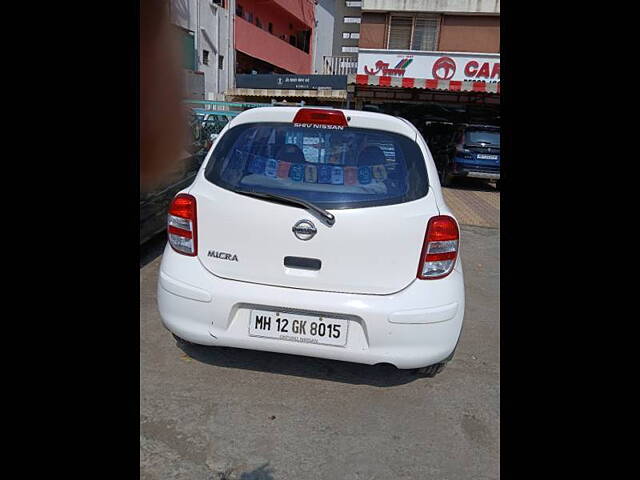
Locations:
440 248
182 225
318 116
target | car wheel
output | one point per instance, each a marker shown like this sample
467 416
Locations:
431 370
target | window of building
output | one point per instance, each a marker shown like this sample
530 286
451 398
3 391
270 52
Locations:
189 53
413 33
351 19
220 62
258 23
351 35
205 57
349 49
354 4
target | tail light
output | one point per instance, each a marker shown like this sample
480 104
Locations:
440 248
182 225
317 116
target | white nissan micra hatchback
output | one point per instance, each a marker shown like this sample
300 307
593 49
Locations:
317 232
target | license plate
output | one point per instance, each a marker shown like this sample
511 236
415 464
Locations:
487 157
298 328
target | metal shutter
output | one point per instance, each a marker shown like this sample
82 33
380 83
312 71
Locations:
400 32
425 34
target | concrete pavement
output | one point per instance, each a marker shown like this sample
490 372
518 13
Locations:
222 413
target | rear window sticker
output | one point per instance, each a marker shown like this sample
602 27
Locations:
324 174
337 176
364 175
350 175
257 164
310 174
283 169
271 168
296 172
379 172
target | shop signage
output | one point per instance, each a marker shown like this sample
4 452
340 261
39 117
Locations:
430 65
292 82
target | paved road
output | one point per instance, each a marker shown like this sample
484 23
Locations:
474 202
221 413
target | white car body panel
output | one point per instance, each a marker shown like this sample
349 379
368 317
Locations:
394 317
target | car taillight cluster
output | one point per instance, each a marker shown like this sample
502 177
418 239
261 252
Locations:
182 225
440 248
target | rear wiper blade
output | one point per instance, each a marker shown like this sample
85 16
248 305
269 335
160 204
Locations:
328 217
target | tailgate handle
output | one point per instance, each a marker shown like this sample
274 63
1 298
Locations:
303 263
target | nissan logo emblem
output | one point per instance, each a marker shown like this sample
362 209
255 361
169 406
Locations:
304 229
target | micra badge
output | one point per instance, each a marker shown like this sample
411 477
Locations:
223 255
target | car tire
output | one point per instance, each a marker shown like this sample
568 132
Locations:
430 371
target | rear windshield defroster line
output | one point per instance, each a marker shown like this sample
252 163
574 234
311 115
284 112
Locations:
330 169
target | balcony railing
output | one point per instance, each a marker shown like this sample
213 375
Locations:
339 65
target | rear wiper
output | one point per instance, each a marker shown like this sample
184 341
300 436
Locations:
328 217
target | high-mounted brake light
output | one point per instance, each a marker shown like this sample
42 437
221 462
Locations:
440 248
182 225
316 116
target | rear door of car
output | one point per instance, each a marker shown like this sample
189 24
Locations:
375 243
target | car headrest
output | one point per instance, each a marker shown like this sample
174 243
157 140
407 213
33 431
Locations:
371 155
290 153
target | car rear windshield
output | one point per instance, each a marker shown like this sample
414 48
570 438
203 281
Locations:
482 136
332 168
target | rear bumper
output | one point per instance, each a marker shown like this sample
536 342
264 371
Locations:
416 327
461 172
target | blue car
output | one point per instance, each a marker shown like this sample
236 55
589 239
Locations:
471 151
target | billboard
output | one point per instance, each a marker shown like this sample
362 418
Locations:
430 65
293 82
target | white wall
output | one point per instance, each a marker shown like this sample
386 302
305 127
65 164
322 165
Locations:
325 15
435 6
214 34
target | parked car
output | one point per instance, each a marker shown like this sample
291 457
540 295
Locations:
469 151
316 232
155 202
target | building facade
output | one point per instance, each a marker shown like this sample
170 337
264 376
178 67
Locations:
421 55
428 25
206 31
274 36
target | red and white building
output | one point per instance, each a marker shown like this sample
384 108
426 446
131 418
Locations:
428 51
